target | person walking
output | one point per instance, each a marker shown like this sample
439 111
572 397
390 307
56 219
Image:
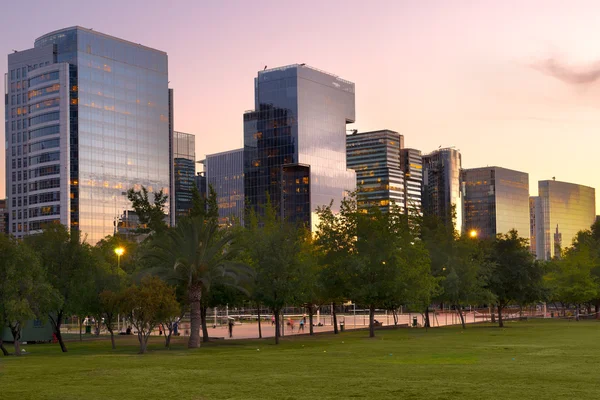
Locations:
230 328
301 327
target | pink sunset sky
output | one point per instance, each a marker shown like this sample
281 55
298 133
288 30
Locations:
509 83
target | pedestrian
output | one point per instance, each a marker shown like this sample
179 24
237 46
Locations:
230 328
160 329
291 324
272 320
301 327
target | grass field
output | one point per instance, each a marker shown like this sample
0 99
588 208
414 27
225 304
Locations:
526 360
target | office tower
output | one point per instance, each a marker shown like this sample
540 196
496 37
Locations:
3 217
534 205
495 201
87 119
295 142
411 163
225 173
375 156
184 171
563 210
441 185
200 181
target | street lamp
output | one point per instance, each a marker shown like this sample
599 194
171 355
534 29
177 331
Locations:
473 233
119 252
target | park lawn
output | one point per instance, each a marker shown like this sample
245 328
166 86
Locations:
543 359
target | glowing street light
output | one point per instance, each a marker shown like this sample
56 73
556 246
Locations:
473 233
119 252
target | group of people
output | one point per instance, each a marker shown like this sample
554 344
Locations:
291 323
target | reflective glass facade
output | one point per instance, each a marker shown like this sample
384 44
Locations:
225 173
111 109
411 162
564 209
298 130
495 201
375 156
184 168
441 185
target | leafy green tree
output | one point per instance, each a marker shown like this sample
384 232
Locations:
515 276
151 213
274 246
196 254
149 304
111 304
67 263
24 291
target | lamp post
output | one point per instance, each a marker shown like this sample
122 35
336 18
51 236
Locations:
119 252
473 233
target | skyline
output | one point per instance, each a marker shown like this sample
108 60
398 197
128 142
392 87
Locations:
440 75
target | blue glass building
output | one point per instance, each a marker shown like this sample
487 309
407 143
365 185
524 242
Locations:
295 142
87 119
225 173
184 169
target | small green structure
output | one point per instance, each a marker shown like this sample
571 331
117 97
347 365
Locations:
33 331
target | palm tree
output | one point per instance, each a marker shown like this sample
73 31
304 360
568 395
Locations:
197 254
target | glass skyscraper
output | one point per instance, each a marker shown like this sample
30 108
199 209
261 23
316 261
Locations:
411 163
441 185
495 201
375 156
295 141
87 119
184 169
225 173
561 210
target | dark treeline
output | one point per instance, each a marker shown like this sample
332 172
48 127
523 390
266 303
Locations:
379 260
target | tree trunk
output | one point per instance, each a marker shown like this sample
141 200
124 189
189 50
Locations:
372 321
427 323
395 315
205 337
462 317
80 327
335 325
311 312
277 326
259 326
16 333
143 339
500 321
112 338
4 351
195 295
56 324
597 309
168 338
577 313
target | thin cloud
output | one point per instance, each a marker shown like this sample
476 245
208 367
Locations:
568 74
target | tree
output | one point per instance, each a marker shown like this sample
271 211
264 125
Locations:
67 263
385 262
24 291
150 214
515 275
148 304
274 246
196 254
111 304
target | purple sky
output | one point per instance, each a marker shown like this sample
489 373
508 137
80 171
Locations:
511 83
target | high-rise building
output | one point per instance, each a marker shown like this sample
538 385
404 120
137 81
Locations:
562 210
184 171
3 217
495 201
411 163
225 173
87 119
295 142
441 191
375 156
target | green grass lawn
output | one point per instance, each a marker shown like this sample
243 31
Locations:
526 360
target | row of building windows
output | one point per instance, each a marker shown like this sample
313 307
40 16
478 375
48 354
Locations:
43 91
18 73
18 98
44 104
16 125
21 202
17 86
45 131
44 184
46 157
43 171
43 211
44 144
18 111
39 225
44 198
17 189
50 76
17 162
53 116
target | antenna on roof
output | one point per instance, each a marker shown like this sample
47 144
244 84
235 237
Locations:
14 51
265 67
